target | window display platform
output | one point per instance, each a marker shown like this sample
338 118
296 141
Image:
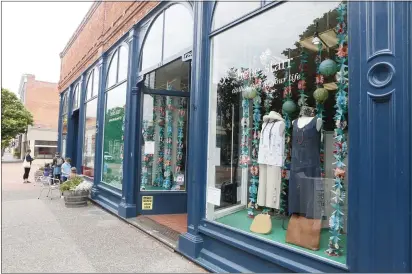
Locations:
240 220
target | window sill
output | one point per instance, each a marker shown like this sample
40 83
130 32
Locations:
278 253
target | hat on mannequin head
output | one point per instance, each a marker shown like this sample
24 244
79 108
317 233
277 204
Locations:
273 115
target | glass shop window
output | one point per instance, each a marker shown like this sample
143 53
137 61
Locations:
278 127
115 109
89 143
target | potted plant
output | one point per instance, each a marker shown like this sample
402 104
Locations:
76 192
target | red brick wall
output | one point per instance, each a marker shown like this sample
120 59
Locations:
42 100
105 23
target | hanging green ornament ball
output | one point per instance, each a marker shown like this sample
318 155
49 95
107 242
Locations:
249 92
320 95
289 107
328 67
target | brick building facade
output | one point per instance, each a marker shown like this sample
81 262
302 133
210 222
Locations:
42 100
102 26
163 106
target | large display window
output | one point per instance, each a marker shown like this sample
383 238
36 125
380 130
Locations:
76 97
165 100
115 106
278 127
89 138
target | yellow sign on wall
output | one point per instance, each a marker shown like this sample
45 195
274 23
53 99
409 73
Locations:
147 202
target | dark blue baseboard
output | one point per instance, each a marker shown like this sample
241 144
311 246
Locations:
219 248
127 210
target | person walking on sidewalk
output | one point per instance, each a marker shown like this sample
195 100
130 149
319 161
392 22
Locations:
57 165
27 165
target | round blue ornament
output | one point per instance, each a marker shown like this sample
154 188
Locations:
289 107
328 67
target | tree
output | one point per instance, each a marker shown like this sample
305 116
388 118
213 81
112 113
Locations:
15 118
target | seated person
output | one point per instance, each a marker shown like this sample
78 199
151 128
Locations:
73 173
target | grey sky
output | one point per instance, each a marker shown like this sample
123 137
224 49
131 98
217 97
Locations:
33 35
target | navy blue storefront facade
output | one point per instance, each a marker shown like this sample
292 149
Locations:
376 235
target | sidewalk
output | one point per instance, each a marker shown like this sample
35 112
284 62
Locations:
45 236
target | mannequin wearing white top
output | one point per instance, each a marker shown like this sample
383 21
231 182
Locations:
271 151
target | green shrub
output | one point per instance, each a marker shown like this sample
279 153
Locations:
71 184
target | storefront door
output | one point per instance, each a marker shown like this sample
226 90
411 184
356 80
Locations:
165 96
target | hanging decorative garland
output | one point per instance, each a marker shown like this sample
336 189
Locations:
320 95
180 135
302 82
288 108
341 148
167 183
160 158
145 157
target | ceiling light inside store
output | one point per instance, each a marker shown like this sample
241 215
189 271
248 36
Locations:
327 38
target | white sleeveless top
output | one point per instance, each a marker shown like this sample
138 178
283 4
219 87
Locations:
272 144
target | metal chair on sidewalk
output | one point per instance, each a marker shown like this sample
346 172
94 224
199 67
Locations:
49 183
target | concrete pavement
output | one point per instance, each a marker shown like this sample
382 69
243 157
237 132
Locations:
45 236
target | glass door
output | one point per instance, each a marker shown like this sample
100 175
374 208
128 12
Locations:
164 136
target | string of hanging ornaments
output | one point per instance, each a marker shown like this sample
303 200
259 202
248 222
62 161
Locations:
341 148
251 87
180 135
167 183
160 158
148 134
288 108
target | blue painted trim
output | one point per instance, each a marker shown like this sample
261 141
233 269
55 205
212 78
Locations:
191 242
60 125
110 189
127 207
100 124
166 92
82 119
69 136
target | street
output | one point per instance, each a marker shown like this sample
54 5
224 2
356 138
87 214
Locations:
45 236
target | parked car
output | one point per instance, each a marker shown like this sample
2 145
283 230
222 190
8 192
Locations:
108 157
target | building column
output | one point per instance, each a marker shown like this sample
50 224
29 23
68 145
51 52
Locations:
80 131
60 123
191 242
99 125
70 126
131 153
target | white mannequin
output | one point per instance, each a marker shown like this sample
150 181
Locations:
271 161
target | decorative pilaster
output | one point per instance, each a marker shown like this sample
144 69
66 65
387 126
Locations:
132 134
98 160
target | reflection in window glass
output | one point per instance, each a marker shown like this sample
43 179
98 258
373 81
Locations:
152 48
89 138
96 74
178 34
228 11
113 136
123 63
76 97
112 74
89 91
65 105
291 178
175 75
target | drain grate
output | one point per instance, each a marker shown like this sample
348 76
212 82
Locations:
158 230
